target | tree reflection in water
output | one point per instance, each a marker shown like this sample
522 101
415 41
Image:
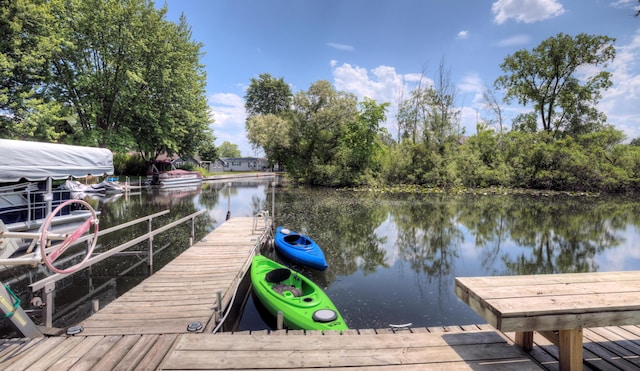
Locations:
392 257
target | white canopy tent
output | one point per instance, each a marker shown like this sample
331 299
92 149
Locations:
35 161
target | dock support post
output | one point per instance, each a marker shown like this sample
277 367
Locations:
95 305
220 305
280 320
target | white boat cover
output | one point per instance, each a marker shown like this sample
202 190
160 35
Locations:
35 161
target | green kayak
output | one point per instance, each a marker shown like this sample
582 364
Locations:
303 304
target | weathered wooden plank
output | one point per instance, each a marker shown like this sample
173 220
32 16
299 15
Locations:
156 354
27 358
89 359
56 353
555 289
289 358
137 352
17 350
72 356
258 341
567 320
612 351
119 349
546 279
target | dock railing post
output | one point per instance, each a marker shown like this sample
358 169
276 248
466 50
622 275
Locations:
150 247
193 231
49 304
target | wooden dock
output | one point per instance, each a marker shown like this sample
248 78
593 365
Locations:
146 329
185 291
474 347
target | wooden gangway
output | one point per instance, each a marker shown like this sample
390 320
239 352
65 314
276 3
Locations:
186 290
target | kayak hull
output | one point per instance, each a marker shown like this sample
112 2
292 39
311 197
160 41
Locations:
300 248
304 305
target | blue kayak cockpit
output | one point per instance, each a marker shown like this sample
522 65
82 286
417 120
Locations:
297 240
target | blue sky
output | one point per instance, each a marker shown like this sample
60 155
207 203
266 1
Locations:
379 48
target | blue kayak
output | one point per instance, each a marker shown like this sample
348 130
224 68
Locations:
299 248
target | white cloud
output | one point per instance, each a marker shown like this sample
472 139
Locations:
462 35
527 11
383 84
620 101
624 4
343 47
228 109
515 40
229 125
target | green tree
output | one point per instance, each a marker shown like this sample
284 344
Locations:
271 133
547 78
26 47
267 94
319 122
226 149
120 74
362 139
208 151
429 115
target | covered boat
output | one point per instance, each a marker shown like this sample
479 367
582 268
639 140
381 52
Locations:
299 248
27 172
164 174
303 304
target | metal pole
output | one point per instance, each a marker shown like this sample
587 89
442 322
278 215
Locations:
150 247
228 200
193 231
49 303
273 201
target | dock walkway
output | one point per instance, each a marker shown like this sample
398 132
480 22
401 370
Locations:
474 347
185 291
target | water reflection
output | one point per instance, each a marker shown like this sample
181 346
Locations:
392 258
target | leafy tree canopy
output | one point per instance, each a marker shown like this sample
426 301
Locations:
227 149
267 95
547 77
109 73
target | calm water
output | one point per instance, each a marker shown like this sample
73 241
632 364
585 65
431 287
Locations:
392 258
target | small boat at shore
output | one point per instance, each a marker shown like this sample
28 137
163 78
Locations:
105 187
299 248
164 174
303 303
